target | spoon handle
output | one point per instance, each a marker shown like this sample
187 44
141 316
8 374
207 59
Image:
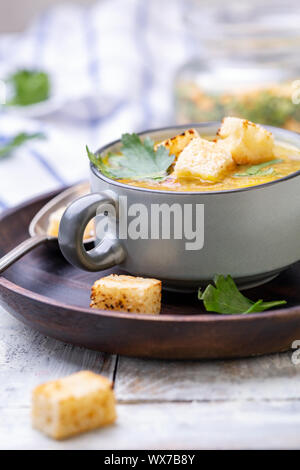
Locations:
20 251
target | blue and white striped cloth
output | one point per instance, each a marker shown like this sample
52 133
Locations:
112 67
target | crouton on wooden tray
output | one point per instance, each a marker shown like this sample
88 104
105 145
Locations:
127 294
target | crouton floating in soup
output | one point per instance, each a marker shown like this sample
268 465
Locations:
247 142
204 160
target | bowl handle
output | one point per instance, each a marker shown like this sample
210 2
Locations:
106 253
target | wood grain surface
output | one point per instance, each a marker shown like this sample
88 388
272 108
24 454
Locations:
160 404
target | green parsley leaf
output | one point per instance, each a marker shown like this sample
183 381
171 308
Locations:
225 297
256 170
98 162
28 87
138 160
17 141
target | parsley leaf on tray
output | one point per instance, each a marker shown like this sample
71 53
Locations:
257 170
225 297
17 141
28 87
137 160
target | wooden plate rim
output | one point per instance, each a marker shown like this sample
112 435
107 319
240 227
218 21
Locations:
214 317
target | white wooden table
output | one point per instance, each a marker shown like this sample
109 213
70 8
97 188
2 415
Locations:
249 403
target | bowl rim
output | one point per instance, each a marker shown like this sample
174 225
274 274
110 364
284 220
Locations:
110 181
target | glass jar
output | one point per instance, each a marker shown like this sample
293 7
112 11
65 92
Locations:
248 66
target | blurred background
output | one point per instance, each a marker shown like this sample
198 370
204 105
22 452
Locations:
84 71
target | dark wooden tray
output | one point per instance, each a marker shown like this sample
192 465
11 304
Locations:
47 293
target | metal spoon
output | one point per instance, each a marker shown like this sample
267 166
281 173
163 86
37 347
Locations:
39 225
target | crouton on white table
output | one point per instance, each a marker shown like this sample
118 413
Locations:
74 404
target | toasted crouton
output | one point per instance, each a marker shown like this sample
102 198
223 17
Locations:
248 143
127 294
72 405
176 144
203 159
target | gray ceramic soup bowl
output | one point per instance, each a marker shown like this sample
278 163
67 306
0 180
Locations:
251 233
